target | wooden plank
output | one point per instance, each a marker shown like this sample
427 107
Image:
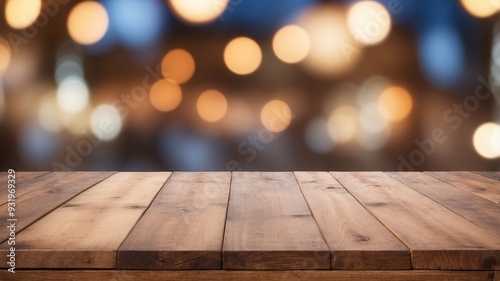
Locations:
482 186
87 231
470 206
269 225
489 174
356 239
437 237
37 197
20 177
183 228
227 275
497 276
29 184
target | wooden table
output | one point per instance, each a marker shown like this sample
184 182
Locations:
254 226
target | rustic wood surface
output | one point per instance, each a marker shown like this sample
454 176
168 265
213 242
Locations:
489 174
386 223
228 275
269 225
478 184
86 231
357 240
437 237
183 228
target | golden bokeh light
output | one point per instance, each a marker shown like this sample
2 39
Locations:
88 22
211 106
22 13
481 8
486 140
242 55
276 116
369 22
5 55
198 11
343 123
165 95
291 44
395 103
333 50
178 65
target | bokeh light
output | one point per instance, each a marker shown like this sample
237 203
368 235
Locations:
137 23
165 95
72 95
239 119
5 55
395 103
442 56
242 55
49 115
22 13
37 147
369 22
276 116
317 137
178 65
481 8
291 44
343 123
198 11
371 120
105 122
88 22
333 50
486 140
211 106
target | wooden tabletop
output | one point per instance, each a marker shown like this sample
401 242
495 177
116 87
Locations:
248 221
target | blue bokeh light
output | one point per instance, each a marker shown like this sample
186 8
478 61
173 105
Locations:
442 56
138 24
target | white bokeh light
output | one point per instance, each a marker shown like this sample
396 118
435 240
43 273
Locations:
105 122
73 95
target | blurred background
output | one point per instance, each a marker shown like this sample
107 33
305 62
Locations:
250 85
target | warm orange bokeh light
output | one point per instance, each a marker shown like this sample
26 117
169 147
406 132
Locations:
242 55
276 116
291 44
178 65
395 104
88 22
481 8
165 95
22 13
211 106
5 56
198 11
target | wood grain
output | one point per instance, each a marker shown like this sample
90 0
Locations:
497 276
489 174
37 197
470 206
480 185
183 228
20 177
437 237
269 225
87 231
227 275
356 239
35 183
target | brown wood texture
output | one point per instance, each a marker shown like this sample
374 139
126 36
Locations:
489 174
497 276
183 228
470 206
39 196
269 225
478 184
437 237
226 275
356 239
87 231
